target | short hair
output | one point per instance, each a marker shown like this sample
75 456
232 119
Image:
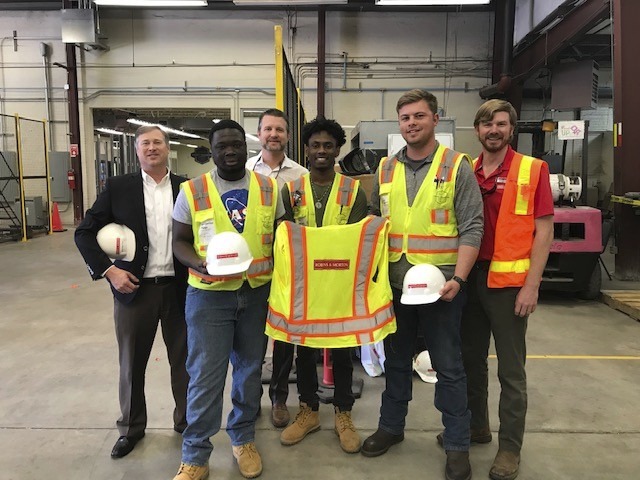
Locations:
321 124
224 124
149 128
415 95
273 112
489 108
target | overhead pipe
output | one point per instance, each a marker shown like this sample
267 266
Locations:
44 52
507 16
322 19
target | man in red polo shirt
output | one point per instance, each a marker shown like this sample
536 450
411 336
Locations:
503 286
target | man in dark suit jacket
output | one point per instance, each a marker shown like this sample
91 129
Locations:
149 288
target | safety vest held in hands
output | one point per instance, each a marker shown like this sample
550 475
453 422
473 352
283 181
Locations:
209 216
339 203
515 226
330 285
426 231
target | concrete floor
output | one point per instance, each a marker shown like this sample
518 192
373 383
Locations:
58 394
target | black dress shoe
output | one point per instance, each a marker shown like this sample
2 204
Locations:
124 446
379 443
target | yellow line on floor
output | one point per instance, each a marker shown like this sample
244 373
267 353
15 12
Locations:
580 357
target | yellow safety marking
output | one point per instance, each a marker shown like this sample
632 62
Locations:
580 357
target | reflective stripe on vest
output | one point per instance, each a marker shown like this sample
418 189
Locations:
340 201
206 205
515 226
433 239
345 307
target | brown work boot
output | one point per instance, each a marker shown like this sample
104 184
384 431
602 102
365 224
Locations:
505 466
458 466
248 458
307 421
280 415
192 472
349 438
477 436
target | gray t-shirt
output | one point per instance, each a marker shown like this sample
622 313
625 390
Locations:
234 196
467 202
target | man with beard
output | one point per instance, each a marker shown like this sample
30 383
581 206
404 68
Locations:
432 199
273 132
503 286
225 314
313 200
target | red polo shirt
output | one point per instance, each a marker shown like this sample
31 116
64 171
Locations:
492 189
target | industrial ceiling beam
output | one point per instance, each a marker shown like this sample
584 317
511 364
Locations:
545 47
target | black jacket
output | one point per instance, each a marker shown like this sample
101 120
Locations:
122 202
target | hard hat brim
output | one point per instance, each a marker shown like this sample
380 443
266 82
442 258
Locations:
419 299
427 378
213 269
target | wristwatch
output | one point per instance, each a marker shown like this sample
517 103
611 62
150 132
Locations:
461 282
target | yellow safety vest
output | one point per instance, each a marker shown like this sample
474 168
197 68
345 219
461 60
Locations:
426 231
206 205
339 203
330 285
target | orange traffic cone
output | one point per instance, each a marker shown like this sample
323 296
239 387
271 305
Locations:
56 223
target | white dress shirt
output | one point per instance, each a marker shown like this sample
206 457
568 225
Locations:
158 206
287 171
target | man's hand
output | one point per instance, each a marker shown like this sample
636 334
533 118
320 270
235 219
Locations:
122 281
526 300
449 290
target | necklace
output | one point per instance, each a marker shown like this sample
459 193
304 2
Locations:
318 203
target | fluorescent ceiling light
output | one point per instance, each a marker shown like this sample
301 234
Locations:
151 3
135 121
109 131
270 3
252 137
190 145
403 3
173 142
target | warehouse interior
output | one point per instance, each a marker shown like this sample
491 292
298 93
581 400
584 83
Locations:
77 100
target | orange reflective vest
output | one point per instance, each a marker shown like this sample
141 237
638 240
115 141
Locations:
515 227
426 231
339 203
330 285
209 216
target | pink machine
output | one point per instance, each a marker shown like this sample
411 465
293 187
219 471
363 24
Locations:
577 244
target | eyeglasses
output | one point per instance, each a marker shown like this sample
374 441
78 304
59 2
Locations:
489 191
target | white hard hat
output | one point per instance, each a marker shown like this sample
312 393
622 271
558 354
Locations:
422 366
117 241
422 284
227 254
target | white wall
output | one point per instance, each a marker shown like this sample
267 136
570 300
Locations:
225 59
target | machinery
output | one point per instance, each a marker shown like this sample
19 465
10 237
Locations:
573 265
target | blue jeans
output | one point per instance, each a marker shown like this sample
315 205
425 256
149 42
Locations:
221 327
439 322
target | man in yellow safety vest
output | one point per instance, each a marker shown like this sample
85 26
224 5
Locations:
320 198
225 313
430 195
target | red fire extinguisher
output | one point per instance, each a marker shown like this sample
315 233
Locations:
71 179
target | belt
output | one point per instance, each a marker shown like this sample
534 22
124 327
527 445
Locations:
158 280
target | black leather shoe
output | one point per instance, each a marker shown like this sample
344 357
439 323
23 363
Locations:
458 466
379 443
124 446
